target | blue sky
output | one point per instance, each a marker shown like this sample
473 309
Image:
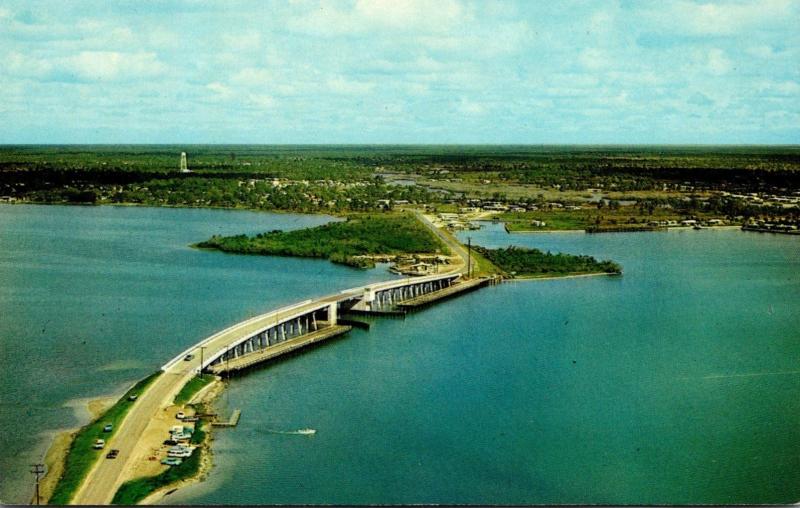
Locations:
400 71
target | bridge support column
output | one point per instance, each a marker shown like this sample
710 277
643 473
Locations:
332 317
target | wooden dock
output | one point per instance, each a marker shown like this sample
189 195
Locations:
234 420
268 353
442 294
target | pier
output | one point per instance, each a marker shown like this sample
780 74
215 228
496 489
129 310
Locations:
245 361
436 296
233 421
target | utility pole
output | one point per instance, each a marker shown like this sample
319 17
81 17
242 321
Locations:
37 470
200 370
469 257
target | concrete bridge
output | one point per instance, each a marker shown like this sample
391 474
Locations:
244 344
312 320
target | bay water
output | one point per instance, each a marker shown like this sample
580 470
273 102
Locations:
677 382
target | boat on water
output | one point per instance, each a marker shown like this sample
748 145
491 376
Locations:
306 431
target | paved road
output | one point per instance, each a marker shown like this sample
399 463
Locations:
455 246
107 475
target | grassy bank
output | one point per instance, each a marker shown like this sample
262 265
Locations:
81 455
133 491
340 242
194 385
625 218
522 262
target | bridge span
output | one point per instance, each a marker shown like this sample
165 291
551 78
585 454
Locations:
297 320
243 344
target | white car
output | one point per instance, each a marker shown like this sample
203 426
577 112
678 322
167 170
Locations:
180 453
99 444
180 415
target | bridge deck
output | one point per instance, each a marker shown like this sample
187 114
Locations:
270 352
441 294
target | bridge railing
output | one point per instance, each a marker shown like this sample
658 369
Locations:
232 328
324 300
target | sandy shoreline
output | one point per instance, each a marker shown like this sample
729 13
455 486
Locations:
88 409
557 277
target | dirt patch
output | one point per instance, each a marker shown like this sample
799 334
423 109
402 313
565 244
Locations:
99 406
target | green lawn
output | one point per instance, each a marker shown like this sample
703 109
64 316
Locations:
81 455
192 387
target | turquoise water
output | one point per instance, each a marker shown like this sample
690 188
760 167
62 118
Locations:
94 298
675 383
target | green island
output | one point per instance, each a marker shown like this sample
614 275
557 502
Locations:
81 456
532 263
348 242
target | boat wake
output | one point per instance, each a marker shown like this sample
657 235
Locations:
298 432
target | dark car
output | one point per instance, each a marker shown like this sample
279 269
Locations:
188 357
170 442
112 454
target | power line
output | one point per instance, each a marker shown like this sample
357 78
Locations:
37 470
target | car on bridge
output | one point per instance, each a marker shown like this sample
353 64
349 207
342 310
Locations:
188 357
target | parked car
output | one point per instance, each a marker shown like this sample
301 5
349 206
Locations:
172 461
185 453
108 427
181 415
112 454
99 444
133 397
181 436
170 442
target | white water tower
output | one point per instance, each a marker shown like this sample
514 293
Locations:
184 167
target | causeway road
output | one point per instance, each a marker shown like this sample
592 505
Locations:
453 244
107 475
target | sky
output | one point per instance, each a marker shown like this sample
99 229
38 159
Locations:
400 71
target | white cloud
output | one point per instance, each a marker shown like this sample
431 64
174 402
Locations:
718 18
469 107
345 86
246 41
221 90
262 100
330 19
717 62
113 65
763 51
595 58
